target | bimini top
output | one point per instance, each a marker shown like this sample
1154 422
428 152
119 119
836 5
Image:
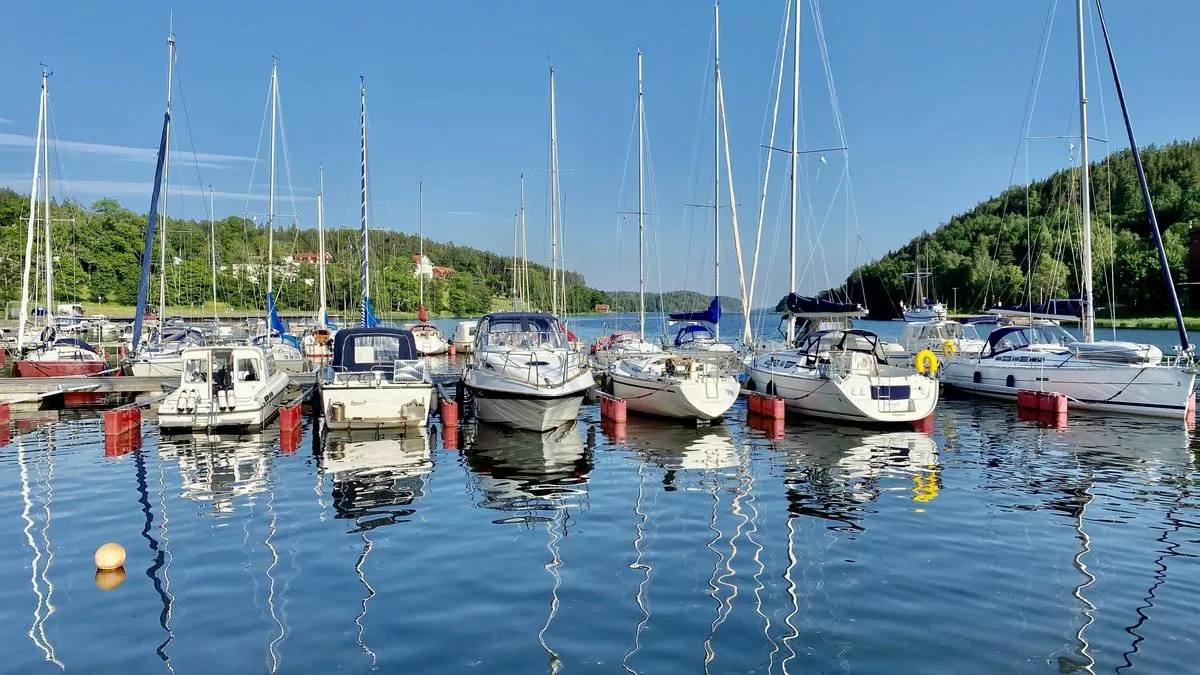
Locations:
693 332
361 349
1009 338
799 305
851 339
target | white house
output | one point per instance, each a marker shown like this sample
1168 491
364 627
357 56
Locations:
422 267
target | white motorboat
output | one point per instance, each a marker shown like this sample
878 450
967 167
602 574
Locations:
673 386
429 338
1119 377
621 344
224 387
524 373
844 375
943 338
375 380
464 336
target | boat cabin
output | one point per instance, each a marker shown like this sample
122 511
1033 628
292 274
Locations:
1042 335
376 353
241 369
520 330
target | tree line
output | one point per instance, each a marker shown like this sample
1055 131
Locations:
1023 244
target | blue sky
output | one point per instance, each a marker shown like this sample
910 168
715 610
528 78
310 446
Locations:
932 96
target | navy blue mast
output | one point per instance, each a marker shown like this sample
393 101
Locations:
1141 174
151 225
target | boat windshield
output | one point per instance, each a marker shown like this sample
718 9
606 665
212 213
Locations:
524 333
821 343
1018 337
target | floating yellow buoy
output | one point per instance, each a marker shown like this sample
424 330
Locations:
106 580
110 556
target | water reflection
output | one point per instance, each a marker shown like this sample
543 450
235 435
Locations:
36 474
376 475
530 472
221 470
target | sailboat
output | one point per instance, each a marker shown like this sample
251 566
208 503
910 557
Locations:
1108 376
430 339
923 307
667 385
375 379
837 373
284 348
317 344
49 355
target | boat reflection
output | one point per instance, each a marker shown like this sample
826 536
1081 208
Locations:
528 471
376 474
221 469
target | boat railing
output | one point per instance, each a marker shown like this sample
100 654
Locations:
530 369
400 371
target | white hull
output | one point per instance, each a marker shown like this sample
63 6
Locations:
464 347
533 414
1154 391
852 397
191 408
430 345
386 406
294 366
157 367
701 397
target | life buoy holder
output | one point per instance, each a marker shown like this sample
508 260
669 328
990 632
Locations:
949 348
927 362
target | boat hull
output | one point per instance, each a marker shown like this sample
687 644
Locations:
532 413
704 399
430 345
167 367
24 368
852 399
1152 391
388 406
203 417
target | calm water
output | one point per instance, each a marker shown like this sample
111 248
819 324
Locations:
992 546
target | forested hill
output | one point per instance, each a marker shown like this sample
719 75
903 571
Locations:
1024 242
671 301
98 253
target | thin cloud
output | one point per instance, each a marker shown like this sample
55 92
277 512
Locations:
5 120
463 213
117 189
117 151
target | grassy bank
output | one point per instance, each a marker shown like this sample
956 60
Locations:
1149 322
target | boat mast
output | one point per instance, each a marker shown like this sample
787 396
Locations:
29 232
212 236
1085 197
364 280
46 215
323 308
641 122
516 250
791 324
553 201
162 242
524 250
716 158
271 187
421 234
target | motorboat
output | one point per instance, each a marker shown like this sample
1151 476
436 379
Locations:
429 339
224 387
524 372
1108 376
943 338
375 380
464 336
844 375
621 344
163 357
668 385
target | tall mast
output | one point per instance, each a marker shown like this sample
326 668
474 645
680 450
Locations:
641 121
524 250
791 325
46 214
271 179
516 250
212 237
717 157
37 165
162 242
323 307
553 200
364 280
1085 197
421 234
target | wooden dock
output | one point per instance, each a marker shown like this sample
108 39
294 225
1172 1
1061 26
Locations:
12 388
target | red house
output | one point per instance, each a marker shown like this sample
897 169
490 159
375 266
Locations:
313 258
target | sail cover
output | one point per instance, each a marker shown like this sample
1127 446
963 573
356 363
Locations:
1071 309
800 305
369 320
710 315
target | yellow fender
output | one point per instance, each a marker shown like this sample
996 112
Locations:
927 362
949 348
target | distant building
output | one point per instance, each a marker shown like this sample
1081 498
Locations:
422 267
313 258
601 308
442 272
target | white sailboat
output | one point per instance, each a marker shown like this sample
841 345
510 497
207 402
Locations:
284 349
376 378
1107 376
839 374
665 385
524 373
48 355
430 339
923 307
317 344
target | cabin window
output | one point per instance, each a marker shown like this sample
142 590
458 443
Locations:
248 370
376 349
196 370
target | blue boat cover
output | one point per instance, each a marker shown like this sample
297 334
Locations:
710 315
387 345
369 320
689 334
